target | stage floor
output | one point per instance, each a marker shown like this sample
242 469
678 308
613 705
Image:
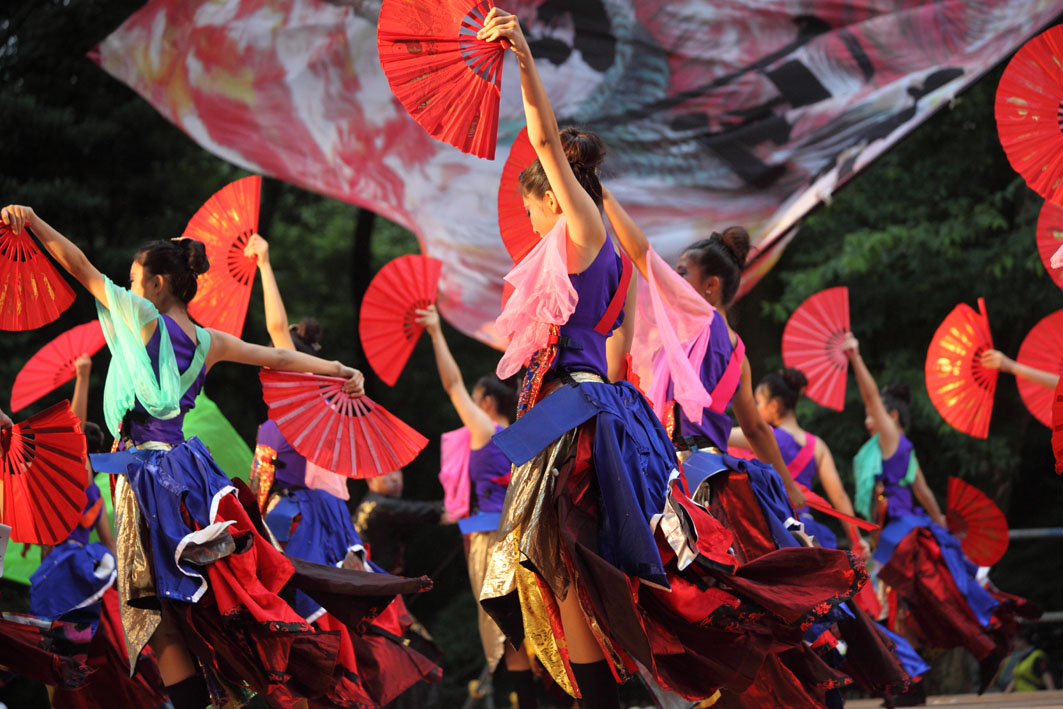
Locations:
973 701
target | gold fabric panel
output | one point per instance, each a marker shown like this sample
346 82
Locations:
478 545
135 579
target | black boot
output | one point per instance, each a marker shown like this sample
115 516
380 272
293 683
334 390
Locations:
523 682
597 685
189 693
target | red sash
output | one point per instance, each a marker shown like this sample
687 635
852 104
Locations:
605 325
726 387
807 452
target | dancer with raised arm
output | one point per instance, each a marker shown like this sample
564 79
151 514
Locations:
593 566
198 582
488 409
943 605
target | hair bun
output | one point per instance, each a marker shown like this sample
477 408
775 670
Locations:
795 379
195 254
736 239
584 150
307 332
900 391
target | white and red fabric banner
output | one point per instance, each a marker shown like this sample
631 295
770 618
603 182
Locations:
714 113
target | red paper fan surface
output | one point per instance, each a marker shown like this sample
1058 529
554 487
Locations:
977 522
513 221
351 436
32 293
224 224
1050 238
960 388
1042 349
44 477
1029 118
812 343
1057 426
445 78
53 365
386 324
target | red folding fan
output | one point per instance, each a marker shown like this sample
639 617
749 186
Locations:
513 222
32 293
351 436
1050 238
445 78
960 388
1042 349
386 323
976 522
53 365
1057 426
1029 119
43 476
812 342
224 224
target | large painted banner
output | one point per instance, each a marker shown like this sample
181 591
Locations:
714 112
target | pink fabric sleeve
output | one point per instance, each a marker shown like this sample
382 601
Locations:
454 448
671 338
317 478
542 296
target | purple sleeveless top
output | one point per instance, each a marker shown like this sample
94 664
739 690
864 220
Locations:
289 466
789 449
714 426
142 427
893 471
595 286
484 464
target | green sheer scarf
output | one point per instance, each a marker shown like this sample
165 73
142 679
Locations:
131 378
867 465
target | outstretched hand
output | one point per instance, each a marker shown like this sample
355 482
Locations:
797 497
16 216
995 359
83 365
850 345
500 25
355 383
428 318
258 249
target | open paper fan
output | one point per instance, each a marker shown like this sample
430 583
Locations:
976 522
1057 426
386 324
44 476
513 222
351 436
1042 349
446 79
1029 117
32 293
960 388
224 224
1050 238
812 342
53 365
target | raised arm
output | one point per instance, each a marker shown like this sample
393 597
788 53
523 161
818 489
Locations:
276 316
585 227
69 256
832 485
995 359
925 495
760 437
226 348
80 401
618 345
889 435
631 238
480 425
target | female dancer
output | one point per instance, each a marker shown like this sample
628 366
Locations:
578 569
807 457
198 583
942 604
486 411
303 508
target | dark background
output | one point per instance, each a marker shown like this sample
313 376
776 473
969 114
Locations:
940 219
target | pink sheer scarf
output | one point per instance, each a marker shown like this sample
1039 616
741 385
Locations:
671 338
454 449
317 478
542 296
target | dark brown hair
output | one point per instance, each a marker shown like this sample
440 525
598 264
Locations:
180 260
724 256
785 385
306 335
585 152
